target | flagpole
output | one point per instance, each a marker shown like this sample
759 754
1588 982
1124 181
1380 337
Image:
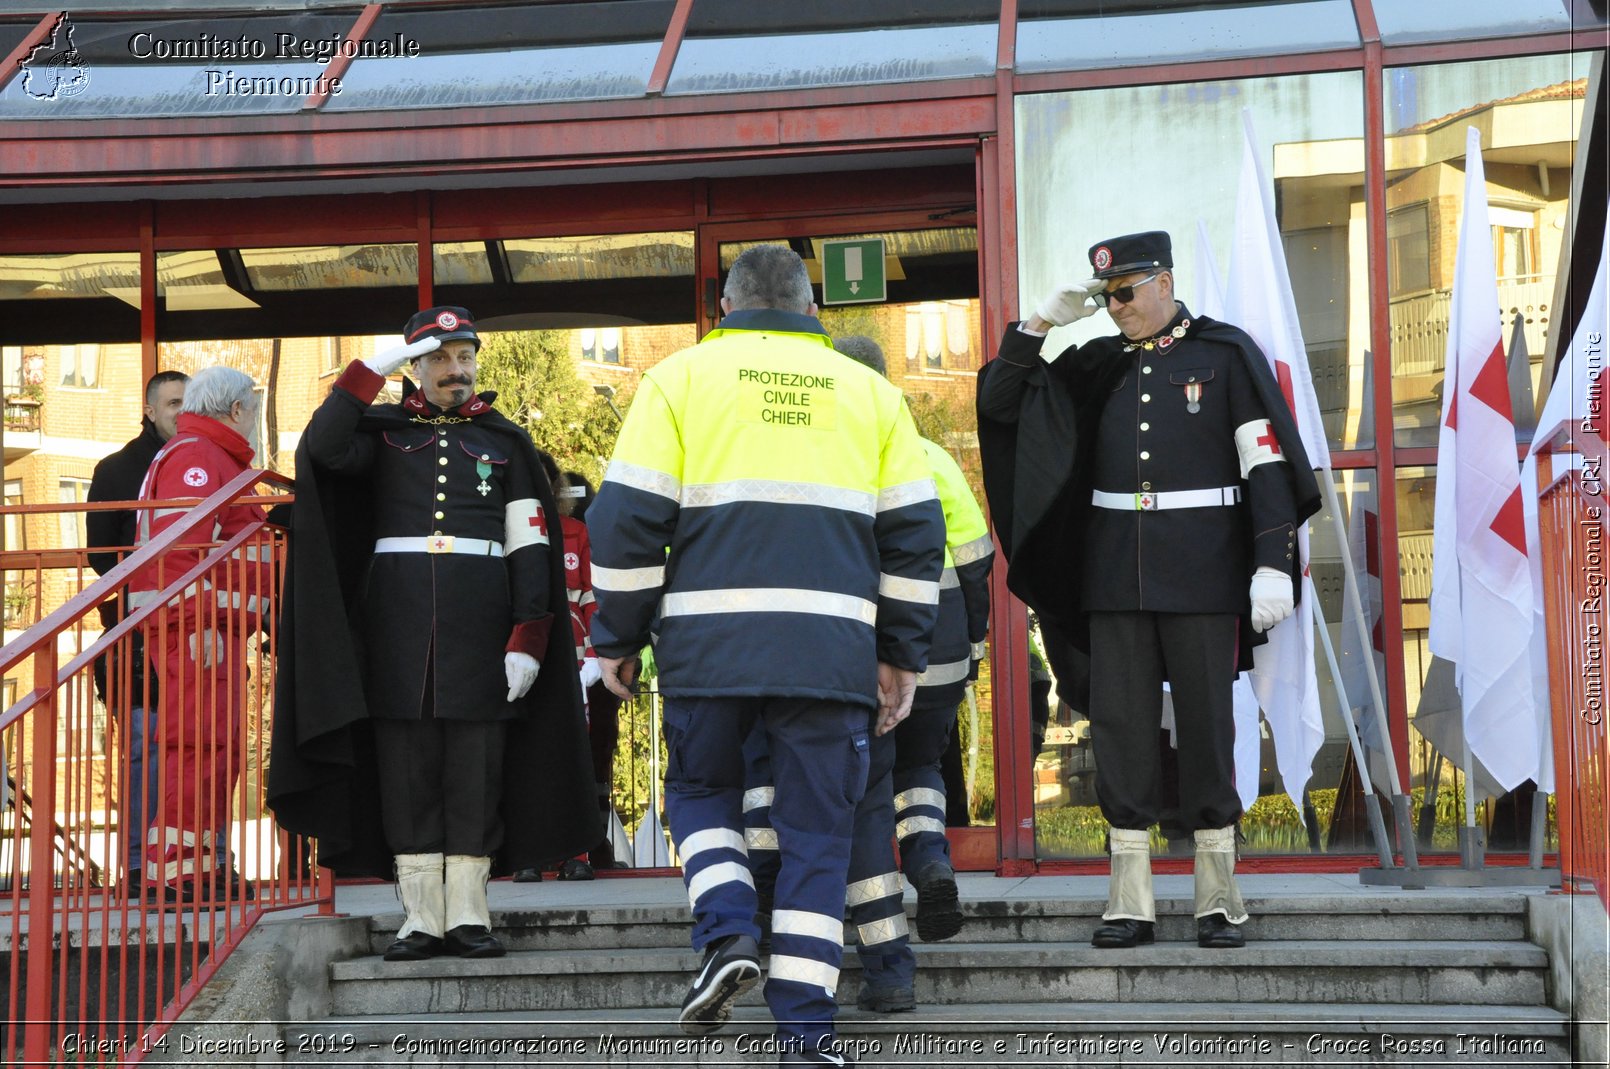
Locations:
1402 816
1372 809
1471 854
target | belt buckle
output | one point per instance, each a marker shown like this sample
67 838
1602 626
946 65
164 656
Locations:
439 544
1146 502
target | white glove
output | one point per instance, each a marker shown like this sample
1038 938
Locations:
211 649
590 672
1071 303
385 363
1272 599
521 671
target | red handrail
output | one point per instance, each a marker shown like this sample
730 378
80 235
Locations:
105 975
1573 521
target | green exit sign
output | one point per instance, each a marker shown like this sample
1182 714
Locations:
852 271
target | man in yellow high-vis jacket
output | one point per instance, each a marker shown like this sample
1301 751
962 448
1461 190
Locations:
769 511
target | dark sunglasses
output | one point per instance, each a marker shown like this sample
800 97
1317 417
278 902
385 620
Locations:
1123 294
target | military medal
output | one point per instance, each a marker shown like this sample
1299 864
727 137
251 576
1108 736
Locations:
483 469
1193 398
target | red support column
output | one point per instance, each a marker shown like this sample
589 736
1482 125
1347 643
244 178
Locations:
148 291
669 47
339 64
1009 634
1381 353
427 250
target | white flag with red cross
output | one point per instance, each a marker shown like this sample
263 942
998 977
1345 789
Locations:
1575 402
1259 300
1481 578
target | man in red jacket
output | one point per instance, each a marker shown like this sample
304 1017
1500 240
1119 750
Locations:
197 641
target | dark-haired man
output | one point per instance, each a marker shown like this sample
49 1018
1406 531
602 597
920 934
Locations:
426 530
124 684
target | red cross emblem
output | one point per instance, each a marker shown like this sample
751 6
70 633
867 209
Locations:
1268 439
537 522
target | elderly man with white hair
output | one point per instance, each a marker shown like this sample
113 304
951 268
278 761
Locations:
197 640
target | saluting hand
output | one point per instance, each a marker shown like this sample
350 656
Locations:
1070 302
896 688
385 363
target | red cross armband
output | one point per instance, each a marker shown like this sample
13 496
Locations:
1256 444
524 524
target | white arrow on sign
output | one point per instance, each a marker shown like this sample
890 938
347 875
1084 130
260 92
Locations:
852 267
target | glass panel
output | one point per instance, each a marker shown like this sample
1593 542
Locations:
1156 36
570 282
1310 128
260 293
111 68
332 267
1437 780
1529 110
1403 21
507 54
797 61
69 297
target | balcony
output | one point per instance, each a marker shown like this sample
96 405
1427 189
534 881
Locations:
1420 323
23 427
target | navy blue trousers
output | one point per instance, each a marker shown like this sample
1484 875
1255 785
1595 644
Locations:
819 754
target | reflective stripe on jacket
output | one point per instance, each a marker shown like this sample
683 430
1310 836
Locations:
769 511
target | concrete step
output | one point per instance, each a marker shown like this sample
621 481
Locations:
1396 971
1068 920
1002 1034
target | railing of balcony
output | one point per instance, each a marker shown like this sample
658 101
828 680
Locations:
1420 322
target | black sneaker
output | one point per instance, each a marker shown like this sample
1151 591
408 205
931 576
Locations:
939 914
731 967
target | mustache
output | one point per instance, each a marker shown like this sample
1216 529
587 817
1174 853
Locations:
456 380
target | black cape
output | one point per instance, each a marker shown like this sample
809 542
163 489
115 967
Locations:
322 779
1037 480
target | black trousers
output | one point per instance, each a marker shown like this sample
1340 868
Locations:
441 784
1131 654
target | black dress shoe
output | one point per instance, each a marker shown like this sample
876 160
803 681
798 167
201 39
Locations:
473 941
527 876
415 946
1215 932
575 868
1123 933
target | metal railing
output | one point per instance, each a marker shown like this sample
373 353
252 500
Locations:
1574 525
99 960
1419 322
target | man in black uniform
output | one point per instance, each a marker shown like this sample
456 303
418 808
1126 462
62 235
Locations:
443 530
1165 462
117 478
